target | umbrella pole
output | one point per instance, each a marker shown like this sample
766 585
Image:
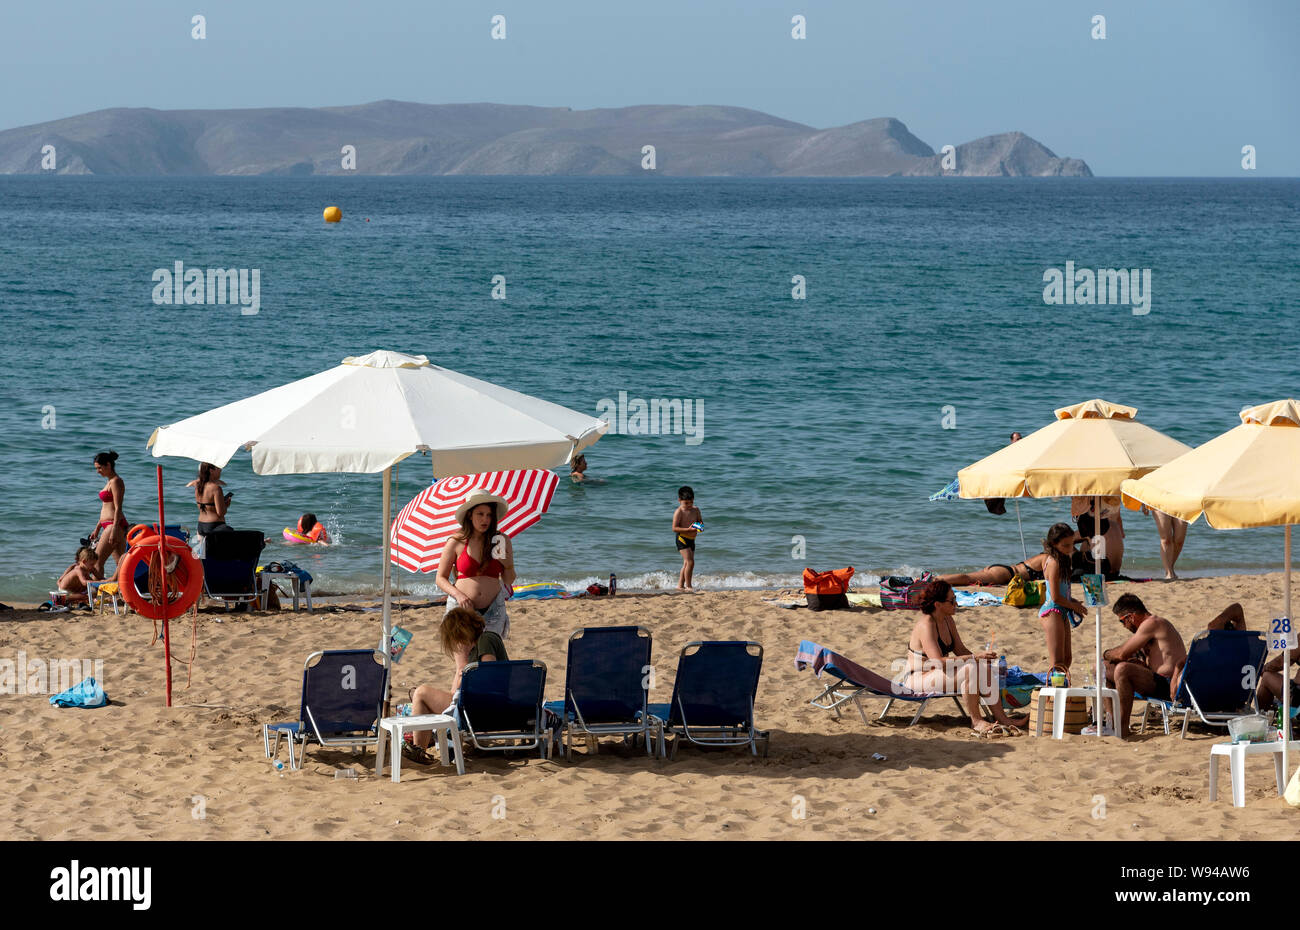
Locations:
1286 664
1023 551
162 561
388 576
1098 668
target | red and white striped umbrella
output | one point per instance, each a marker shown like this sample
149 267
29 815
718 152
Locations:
429 520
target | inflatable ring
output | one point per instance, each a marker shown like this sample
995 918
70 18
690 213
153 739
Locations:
293 536
184 582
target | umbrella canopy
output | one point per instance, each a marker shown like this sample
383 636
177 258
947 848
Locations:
428 521
1247 477
372 411
1088 450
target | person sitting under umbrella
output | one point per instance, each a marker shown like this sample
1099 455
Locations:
466 641
937 660
1271 683
482 560
1150 662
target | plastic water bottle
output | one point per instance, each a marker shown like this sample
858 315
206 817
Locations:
613 584
1002 672
278 765
345 773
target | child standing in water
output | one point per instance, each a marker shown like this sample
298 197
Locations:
686 526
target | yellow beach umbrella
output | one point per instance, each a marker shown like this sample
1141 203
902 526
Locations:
1089 450
1247 477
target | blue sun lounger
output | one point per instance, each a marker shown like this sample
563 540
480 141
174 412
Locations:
606 687
342 702
1219 680
713 696
230 566
499 705
853 683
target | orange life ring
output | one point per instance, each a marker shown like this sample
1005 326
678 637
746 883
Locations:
139 532
184 582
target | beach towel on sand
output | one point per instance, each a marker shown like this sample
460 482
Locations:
86 693
977 599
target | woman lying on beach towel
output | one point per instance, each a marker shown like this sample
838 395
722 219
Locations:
999 574
466 640
937 660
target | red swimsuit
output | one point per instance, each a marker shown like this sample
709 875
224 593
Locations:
466 565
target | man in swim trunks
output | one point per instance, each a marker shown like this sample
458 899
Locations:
684 534
1150 662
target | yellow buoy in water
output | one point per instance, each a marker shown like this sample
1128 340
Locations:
333 214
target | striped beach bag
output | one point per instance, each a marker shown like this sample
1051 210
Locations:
903 592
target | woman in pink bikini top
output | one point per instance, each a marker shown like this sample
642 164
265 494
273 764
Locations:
109 535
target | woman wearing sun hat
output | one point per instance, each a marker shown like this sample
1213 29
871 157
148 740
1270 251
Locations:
478 562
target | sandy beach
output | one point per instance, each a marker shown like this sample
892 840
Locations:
137 769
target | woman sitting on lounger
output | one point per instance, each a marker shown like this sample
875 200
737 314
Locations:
999 574
937 660
466 640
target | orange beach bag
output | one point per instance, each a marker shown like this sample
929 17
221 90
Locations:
827 590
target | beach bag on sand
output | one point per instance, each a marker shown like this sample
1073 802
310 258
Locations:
827 590
1022 593
903 592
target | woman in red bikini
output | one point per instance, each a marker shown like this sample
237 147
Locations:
482 559
109 535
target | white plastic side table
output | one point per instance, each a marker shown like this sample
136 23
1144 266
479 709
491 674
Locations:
1059 706
394 729
1237 753
298 585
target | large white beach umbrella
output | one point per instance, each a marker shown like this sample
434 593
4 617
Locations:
1088 451
1246 477
372 411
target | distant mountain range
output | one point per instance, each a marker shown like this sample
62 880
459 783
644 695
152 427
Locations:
394 138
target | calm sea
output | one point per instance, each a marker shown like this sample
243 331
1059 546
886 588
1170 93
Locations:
823 418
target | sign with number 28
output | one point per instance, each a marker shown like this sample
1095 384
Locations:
1281 635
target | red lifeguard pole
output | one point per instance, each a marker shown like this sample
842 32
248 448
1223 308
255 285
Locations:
166 590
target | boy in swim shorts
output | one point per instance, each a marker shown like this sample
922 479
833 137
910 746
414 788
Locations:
684 534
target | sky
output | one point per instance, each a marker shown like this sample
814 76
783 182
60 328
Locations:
1176 88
